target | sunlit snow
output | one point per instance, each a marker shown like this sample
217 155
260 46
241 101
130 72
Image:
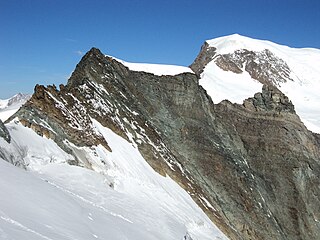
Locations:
156 69
305 71
124 198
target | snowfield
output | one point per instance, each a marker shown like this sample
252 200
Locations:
156 69
303 91
124 198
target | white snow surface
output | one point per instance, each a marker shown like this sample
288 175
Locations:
123 198
11 105
303 91
156 69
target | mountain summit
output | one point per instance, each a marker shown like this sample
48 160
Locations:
255 62
149 145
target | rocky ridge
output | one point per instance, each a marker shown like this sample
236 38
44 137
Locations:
262 66
206 55
99 90
247 166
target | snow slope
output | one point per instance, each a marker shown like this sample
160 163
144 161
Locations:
302 91
9 106
156 69
124 198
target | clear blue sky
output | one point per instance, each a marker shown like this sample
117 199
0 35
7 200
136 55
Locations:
41 41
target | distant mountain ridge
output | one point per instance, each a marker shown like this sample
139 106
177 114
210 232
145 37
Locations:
9 106
16 99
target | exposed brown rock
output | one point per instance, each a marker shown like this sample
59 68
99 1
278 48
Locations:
205 56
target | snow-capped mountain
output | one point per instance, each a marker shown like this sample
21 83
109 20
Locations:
146 151
9 106
235 67
156 69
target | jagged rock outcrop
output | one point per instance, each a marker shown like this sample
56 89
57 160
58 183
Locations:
253 168
4 132
270 99
205 56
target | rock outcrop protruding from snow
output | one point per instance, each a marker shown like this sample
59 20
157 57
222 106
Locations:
270 99
4 132
252 168
205 56
263 66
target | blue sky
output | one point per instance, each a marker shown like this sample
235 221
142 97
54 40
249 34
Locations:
41 41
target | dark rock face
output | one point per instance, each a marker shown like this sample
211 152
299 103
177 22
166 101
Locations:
205 56
280 154
270 99
252 168
5 154
4 132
